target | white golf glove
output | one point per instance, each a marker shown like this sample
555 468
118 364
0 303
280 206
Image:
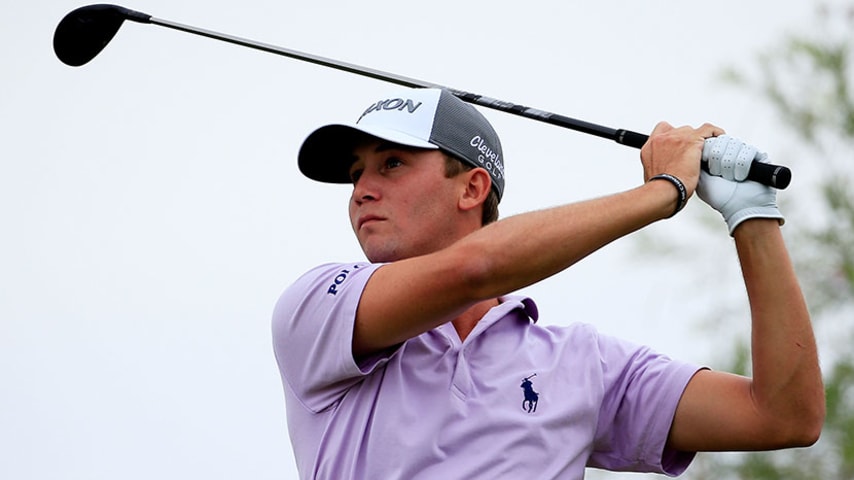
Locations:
724 189
728 157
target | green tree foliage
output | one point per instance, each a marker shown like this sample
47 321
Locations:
807 80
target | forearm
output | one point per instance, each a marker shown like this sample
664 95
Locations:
524 249
516 252
496 260
786 376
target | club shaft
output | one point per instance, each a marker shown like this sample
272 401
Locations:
768 174
620 136
286 52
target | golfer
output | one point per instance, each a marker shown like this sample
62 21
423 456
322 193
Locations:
409 365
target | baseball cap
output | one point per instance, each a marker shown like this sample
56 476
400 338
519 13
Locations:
430 118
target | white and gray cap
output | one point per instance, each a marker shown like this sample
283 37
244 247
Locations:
430 118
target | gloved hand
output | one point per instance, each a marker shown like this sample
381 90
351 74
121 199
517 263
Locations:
724 189
728 157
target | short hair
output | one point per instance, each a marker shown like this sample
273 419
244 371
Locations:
453 167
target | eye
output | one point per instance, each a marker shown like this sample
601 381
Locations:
355 174
392 162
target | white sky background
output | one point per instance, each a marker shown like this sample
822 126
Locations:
152 210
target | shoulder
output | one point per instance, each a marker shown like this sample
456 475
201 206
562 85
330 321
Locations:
329 278
576 336
331 271
580 334
322 291
613 355
312 328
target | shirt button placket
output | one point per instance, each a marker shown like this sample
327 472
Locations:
461 383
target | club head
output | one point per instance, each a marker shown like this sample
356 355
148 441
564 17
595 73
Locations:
84 32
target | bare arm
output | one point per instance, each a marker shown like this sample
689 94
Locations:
783 404
408 297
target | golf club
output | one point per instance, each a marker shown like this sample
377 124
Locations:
84 32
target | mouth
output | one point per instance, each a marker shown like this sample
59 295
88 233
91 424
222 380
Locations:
367 219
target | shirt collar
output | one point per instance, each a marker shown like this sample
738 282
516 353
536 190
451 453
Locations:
509 303
512 302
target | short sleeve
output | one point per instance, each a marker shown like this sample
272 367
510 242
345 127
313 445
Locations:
313 333
642 390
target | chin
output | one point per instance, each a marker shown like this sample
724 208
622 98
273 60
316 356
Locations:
380 259
381 255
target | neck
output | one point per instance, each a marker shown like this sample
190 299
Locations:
465 323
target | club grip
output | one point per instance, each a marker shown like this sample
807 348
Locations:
776 176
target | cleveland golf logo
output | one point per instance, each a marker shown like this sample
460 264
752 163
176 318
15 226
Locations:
392 104
529 404
488 158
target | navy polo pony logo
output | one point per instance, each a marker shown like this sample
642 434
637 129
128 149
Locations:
529 404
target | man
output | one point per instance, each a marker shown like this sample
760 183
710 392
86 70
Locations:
409 366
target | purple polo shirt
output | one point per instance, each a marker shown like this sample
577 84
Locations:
514 400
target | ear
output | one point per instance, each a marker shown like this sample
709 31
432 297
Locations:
476 185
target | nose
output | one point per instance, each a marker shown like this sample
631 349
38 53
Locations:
365 189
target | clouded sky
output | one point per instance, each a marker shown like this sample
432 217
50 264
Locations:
152 211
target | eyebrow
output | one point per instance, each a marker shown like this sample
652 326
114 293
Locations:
385 146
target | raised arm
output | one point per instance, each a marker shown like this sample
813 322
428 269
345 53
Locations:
783 404
408 297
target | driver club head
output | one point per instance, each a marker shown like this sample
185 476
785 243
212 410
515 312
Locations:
84 32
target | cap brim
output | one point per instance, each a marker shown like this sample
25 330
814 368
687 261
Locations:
327 153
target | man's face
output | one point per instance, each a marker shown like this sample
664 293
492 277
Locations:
402 204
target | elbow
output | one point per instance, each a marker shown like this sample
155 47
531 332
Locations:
811 426
806 436
476 273
804 427
814 414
